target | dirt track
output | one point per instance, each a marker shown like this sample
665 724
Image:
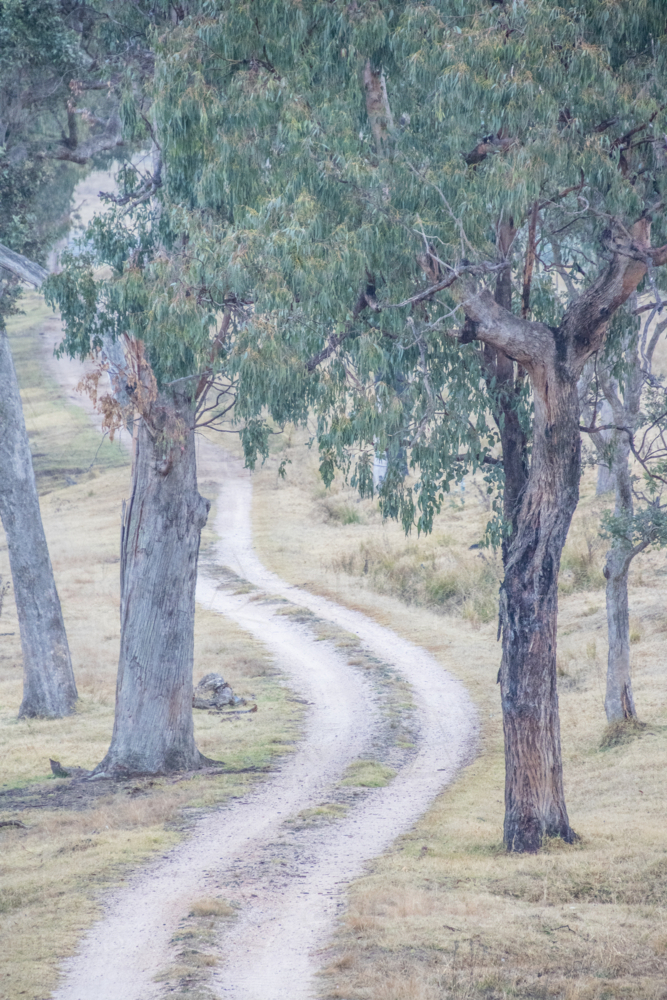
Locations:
286 911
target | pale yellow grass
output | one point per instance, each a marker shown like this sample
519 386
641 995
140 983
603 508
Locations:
51 872
447 913
196 948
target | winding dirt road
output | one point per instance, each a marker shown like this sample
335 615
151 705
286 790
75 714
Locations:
286 912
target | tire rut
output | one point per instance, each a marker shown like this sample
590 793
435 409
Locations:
287 911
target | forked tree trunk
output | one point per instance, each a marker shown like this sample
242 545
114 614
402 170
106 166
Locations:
534 797
49 689
554 359
153 727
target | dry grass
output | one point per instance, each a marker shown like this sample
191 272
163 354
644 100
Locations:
211 908
196 950
326 812
52 871
447 914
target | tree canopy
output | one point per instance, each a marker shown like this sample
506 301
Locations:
334 161
372 211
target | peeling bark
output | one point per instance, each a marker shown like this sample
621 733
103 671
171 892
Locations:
554 359
377 108
153 728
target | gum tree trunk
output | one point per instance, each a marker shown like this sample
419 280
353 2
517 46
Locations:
554 359
619 702
49 689
153 726
613 447
512 436
503 385
534 797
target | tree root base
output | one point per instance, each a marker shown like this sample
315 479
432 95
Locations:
622 731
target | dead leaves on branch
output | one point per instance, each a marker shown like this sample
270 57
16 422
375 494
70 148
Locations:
114 416
136 382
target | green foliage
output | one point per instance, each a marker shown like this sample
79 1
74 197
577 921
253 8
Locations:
260 108
59 70
36 49
282 205
64 444
646 525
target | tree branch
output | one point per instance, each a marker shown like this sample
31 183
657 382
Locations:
520 339
216 344
23 268
337 339
377 107
589 315
110 138
498 143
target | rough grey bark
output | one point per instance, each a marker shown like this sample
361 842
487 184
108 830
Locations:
619 701
162 522
534 796
554 359
605 479
507 386
624 412
503 379
49 688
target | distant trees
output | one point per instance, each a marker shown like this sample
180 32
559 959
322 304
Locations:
380 178
627 400
63 68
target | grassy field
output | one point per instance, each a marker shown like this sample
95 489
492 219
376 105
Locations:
53 866
447 913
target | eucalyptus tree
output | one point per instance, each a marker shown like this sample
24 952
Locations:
625 401
166 331
67 73
397 186
36 55
49 688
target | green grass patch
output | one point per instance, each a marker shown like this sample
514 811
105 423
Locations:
367 774
64 444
